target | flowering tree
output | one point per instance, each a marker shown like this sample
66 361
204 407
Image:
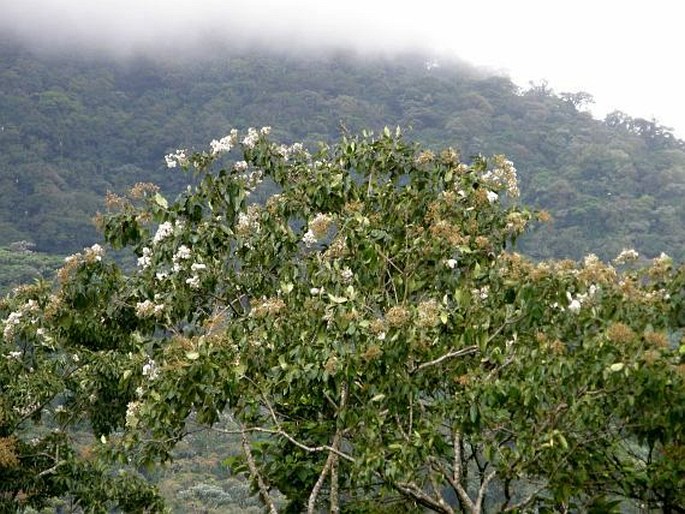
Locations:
368 334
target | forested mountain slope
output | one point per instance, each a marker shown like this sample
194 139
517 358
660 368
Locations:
72 128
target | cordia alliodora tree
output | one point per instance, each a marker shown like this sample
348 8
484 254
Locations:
367 333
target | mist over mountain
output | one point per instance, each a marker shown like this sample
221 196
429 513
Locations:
75 126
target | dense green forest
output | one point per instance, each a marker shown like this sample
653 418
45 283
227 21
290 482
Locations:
73 128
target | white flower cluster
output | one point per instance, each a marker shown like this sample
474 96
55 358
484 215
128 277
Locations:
164 230
247 223
145 260
193 282
309 239
132 414
147 308
286 152
240 166
251 139
627 255
182 254
150 369
14 318
492 196
225 144
482 292
11 323
451 263
503 175
252 179
591 260
346 275
94 253
663 259
177 158
90 255
14 355
318 228
576 302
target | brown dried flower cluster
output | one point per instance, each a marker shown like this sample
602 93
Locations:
397 316
8 453
268 307
428 314
620 333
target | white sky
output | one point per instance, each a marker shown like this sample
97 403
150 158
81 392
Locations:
627 54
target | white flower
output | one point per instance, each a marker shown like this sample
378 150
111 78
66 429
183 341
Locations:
481 293
145 308
346 275
145 260
193 282
223 145
173 159
240 166
626 255
451 263
150 370
182 253
309 238
576 303
315 291
663 259
590 260
14 355
163 231
132 414
96 251
197 266
381 336
11 322
265 131
161 275
251 139
492 196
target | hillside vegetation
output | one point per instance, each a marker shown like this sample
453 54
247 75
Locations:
73 128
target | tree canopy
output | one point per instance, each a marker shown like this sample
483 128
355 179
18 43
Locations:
72 128
358 317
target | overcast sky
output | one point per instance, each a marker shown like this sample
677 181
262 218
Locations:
627 54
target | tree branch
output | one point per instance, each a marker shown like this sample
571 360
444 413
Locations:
256 476
413 491
458 474
457 353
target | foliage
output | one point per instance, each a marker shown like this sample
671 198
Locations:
52 377
367 332
20 265
75 127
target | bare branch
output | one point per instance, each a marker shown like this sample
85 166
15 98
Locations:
458 474
282 433
483 489
523 502
311 504
330 466
413 491
256 475
457 353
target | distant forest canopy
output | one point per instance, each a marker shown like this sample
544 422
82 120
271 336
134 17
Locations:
73 128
